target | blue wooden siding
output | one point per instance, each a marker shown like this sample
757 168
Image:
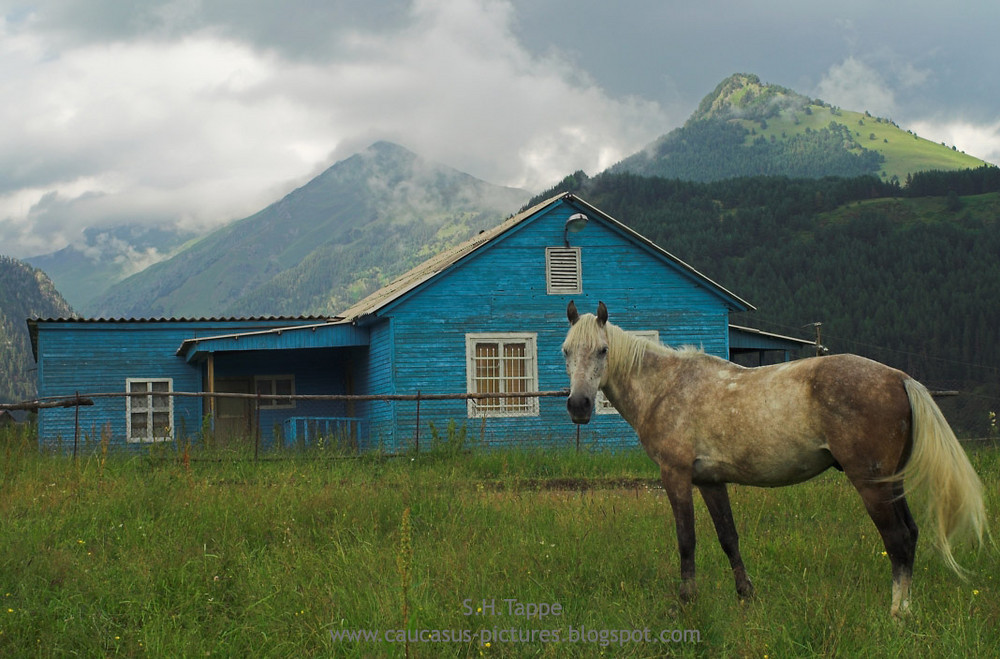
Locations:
502 289
379 379
97 357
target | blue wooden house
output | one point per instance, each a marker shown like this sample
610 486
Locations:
487 316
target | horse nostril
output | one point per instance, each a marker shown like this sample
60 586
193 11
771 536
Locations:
579 405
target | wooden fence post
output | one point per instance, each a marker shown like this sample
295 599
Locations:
256 435
76 424
416 434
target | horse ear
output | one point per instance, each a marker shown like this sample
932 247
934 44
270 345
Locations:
572 313
602 314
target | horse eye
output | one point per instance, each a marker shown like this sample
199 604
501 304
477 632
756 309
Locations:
603 351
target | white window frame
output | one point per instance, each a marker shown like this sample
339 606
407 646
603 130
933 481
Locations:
507 407
603 405
146 405
561 287
271 400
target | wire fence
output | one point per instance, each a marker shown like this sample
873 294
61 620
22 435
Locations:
258 422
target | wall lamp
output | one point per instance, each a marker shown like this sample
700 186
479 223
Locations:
574 224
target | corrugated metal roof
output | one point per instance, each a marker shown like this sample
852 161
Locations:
162 319
771 335
33 322
352 335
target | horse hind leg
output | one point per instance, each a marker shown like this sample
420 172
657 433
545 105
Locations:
888 509
717 500
902 578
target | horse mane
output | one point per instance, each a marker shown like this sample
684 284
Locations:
625 352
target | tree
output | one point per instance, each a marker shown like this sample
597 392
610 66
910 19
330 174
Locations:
952 202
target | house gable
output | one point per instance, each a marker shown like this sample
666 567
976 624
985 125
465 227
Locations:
560 208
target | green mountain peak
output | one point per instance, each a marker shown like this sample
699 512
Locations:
744 96
749 128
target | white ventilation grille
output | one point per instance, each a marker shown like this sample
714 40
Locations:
562 270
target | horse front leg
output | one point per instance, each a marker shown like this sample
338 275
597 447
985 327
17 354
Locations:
717 500
677 483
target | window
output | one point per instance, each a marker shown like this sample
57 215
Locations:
502 364
603 405
149 418
562 270
272 386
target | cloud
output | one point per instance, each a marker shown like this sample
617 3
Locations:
855 85
981 140
169 113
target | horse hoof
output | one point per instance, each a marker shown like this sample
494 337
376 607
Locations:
745 591
688 591
900 614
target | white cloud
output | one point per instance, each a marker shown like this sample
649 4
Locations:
143 131
201 128
979 140
854 85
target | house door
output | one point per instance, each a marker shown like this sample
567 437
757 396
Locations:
233 416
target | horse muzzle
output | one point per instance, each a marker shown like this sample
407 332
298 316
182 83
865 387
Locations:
580 408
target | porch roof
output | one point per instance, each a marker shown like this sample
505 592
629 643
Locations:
336 333
749 338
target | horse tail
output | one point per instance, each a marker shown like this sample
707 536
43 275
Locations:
940 468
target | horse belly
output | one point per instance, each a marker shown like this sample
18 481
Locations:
762 470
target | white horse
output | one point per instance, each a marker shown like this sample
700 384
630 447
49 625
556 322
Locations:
707 422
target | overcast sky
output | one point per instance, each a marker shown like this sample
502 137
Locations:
202 111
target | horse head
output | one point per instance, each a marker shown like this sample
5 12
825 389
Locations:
586 352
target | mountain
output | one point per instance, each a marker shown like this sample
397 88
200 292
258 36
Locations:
24 292
347 232
105 257
749 128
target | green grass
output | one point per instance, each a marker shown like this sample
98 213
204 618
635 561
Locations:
905 152
914 211
152 556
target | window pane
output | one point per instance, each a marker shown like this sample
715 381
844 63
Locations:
161 402
283 386
138 387
515 370
138 424
161 421
487 374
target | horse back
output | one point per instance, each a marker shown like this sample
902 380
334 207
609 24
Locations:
782 424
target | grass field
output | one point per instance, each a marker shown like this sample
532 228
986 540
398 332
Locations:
154 555
905 152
